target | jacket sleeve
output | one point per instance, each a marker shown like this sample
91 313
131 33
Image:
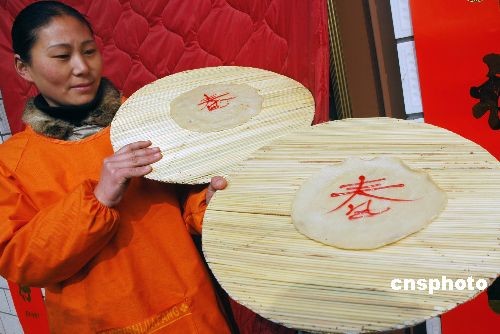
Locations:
194 208
46 246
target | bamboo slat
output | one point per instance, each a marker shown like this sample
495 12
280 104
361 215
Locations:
192 157
262 261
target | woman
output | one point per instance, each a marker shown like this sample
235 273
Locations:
111 248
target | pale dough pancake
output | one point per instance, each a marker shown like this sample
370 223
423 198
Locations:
216 107
366 204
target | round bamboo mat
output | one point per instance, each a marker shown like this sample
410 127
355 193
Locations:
191 157
262 261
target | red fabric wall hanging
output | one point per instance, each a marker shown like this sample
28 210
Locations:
452 39
458 55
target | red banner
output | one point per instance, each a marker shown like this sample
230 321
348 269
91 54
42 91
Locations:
457 44
30 308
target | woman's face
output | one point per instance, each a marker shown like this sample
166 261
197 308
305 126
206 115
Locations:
65 62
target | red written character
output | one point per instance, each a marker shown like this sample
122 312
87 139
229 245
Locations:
214 102
363 188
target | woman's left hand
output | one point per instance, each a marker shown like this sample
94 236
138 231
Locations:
216 183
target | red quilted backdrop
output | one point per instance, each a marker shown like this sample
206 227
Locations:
142 40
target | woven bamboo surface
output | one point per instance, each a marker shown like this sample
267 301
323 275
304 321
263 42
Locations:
192 157
262 261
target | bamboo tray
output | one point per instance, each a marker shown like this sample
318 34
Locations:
261 260
192 157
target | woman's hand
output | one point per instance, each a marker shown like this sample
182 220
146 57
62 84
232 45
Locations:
216 183
132 160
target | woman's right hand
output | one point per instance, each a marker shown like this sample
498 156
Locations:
132 160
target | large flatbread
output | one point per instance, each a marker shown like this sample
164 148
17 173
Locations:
366 204
216 107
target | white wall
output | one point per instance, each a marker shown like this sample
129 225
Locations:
403 32
4 125
9 324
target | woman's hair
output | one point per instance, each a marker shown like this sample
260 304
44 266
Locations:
32 18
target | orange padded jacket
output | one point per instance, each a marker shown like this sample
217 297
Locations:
129 269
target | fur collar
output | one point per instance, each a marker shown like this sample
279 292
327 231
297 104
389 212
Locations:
52 127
